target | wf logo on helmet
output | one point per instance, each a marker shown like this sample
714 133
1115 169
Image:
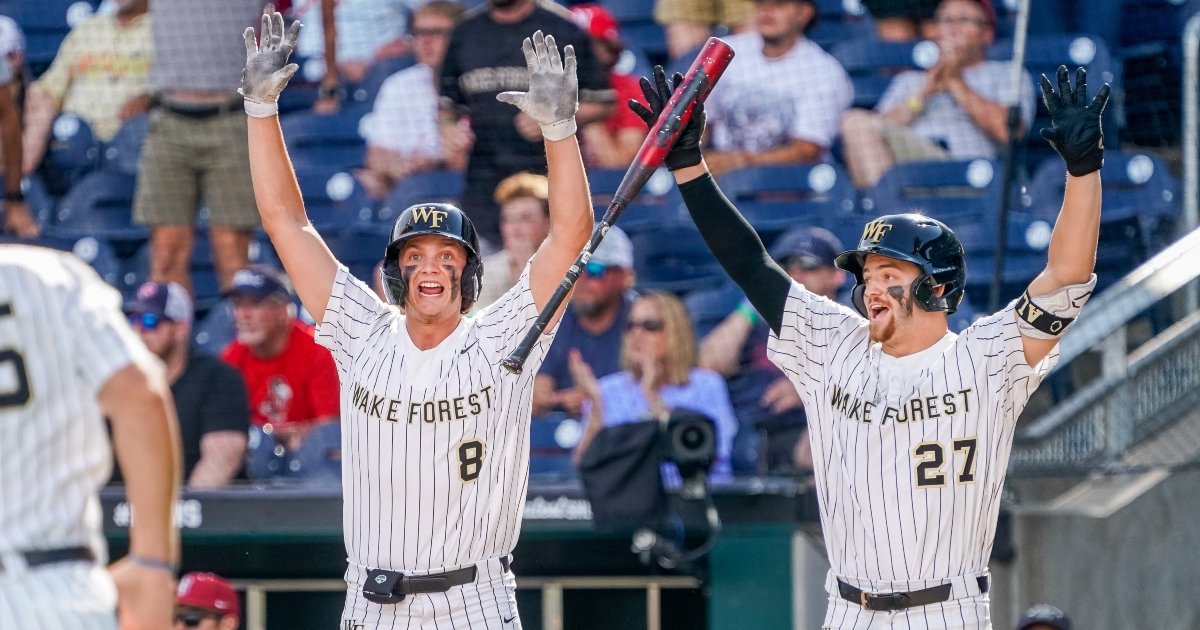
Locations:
875 230
430 215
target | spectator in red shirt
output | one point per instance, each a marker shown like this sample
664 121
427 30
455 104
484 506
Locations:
291 381
613 142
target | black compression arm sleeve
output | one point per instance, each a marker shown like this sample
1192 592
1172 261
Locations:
737 247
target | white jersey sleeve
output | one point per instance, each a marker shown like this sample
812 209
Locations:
813 329
102 339
503 324
997 339
351 315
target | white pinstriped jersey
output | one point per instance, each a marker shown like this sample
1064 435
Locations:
909 453
62 335
435 444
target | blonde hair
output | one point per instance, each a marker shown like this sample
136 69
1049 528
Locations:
452 11
681 338
522 186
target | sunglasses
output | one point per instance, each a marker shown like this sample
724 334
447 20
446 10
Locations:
147 321
595 269
648 325
193 618
803 263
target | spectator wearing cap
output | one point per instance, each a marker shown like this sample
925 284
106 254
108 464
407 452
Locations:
770 413
613 142
524 201
953 111
405 135
591 327
99 74
205 601
18 221
209 395
799 93
1044 617
291 381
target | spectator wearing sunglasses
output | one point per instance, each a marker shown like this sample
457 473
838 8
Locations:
591 326
770 415
205 601
292 382
524 201
659 374
209 395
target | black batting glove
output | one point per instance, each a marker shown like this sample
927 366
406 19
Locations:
1076 133
686 150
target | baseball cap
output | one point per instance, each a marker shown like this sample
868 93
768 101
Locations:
207 591
813 243
597 21
165 299
1044 614
260 282
616 250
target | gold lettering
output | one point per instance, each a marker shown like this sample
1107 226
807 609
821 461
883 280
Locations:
430 215
444 410
948 403
393 406
458 409
931 407
875 230
473 400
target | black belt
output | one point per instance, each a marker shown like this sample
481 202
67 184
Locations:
885 602
200 110
54 556
391 587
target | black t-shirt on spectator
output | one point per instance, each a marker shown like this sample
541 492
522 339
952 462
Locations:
209 396
484 59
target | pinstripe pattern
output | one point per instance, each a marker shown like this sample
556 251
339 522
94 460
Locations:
414 500
894 518
62 335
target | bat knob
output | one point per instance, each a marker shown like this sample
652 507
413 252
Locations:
512 365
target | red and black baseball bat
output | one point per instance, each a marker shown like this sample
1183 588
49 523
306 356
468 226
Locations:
704 73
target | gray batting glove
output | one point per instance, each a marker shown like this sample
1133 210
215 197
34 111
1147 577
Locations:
266 74
553 94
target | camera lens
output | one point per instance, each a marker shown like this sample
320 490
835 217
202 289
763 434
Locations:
692 437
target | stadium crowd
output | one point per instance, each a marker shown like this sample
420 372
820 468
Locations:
138 110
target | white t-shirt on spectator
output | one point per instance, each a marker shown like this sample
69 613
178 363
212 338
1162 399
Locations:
944 121
762 103
405 116
363 26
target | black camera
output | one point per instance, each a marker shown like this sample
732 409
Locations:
691 443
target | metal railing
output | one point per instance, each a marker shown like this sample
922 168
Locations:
551 587
1191 138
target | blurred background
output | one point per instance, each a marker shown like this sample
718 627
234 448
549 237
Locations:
133 157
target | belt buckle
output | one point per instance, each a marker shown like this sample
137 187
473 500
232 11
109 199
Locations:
862 596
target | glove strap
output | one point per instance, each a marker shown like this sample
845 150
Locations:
682 158
261 110
560 130
1091 161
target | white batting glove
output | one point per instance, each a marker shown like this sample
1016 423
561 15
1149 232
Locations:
553 94
266 74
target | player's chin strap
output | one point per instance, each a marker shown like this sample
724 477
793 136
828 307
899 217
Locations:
922 292
1049 316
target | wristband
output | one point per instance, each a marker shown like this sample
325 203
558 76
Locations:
261 110
16 196
560 130
682 158
747 311
151 563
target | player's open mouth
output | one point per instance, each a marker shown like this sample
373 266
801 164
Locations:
878 312
431 289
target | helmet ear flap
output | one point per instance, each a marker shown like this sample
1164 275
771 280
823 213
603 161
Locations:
394 285
859 301
923 294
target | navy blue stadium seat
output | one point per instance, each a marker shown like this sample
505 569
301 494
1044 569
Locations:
101 256
840 21
420 188
873 64
263 459
205 286
674 258
631 10
551 440
330 140
775 198
211 334
333 198
359 249
45 24
100 204
124 151
262 251
938 189
647 37
658 203
708 308
73 149
377 73
37 199
319 458
135 267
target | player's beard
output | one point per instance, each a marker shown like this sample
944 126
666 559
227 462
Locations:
903 308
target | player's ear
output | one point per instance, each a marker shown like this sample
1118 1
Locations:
939 290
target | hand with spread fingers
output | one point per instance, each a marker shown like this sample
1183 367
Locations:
686 151
267 71
1076 133
553 94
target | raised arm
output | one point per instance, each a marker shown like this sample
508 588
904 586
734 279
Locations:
731 239
1055 297
552 100
303 252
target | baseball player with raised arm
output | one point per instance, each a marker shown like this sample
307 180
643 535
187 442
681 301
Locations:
68 358
911 424
435 433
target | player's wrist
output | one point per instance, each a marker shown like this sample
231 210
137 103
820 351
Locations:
560 130
683 157
152 563
259 109
1089 162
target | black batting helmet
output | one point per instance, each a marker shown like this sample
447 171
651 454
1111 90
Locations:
437 219
925 242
